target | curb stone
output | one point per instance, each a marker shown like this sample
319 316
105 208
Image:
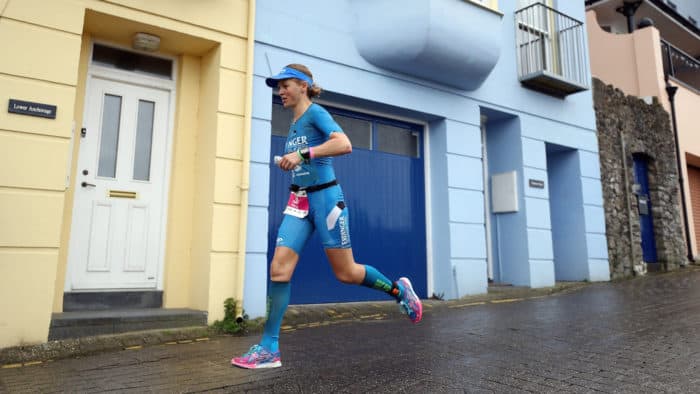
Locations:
77 347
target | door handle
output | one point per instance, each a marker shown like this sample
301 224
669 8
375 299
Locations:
85 184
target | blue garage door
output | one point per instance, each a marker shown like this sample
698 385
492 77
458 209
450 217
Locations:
384 189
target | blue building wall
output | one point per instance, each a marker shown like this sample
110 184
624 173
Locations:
321 37
508 230
567 224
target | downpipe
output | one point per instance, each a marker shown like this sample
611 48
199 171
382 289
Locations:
245 157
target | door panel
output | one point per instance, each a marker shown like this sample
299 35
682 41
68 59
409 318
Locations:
694 183
641 169
99 237
137 247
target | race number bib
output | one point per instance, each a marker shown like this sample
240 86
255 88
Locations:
298 204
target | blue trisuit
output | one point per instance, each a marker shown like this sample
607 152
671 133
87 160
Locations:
327 214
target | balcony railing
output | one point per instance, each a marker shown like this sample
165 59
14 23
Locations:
551 51
680 65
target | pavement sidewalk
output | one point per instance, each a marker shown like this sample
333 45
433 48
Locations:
297 317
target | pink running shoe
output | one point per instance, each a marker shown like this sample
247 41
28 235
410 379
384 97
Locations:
410 303
258 357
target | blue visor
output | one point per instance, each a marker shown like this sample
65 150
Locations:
287 73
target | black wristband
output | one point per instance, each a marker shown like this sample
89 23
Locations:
305 153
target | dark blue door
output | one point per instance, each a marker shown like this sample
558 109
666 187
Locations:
385 194
641 169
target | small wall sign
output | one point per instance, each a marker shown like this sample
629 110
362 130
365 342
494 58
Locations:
536 183
32 109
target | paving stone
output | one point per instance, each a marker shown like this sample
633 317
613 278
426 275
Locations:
636 336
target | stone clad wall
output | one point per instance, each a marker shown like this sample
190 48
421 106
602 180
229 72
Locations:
645 129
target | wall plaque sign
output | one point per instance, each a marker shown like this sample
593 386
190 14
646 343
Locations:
536 183
32 109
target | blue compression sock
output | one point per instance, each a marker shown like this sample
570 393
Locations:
278 300
376 280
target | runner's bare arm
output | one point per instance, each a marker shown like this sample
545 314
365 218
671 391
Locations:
337 144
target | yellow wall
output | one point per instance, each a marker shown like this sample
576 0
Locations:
46 61
204 181
69 192
33 158
179 241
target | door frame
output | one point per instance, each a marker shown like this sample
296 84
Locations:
132 78
487 199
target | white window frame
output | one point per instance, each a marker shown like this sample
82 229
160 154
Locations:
492 4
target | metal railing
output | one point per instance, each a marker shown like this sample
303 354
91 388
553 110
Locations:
680 65
550 42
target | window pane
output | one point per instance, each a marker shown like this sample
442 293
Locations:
281 119
359 131
131 61
397 140
109 136
144 140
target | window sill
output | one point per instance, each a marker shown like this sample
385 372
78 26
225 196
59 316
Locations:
487 8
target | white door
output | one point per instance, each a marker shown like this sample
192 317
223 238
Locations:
117 228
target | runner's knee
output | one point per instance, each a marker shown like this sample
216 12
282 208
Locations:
281 269
345 277
350 275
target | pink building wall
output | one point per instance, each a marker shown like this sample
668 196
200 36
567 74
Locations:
687 103
633 63
630 62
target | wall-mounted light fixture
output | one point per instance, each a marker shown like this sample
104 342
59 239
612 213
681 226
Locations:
628 8
145 42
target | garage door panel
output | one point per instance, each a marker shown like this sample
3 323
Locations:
385 195
694 183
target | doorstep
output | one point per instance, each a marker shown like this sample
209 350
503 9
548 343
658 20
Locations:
67 325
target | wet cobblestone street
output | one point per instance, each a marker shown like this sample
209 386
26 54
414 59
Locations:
636 336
